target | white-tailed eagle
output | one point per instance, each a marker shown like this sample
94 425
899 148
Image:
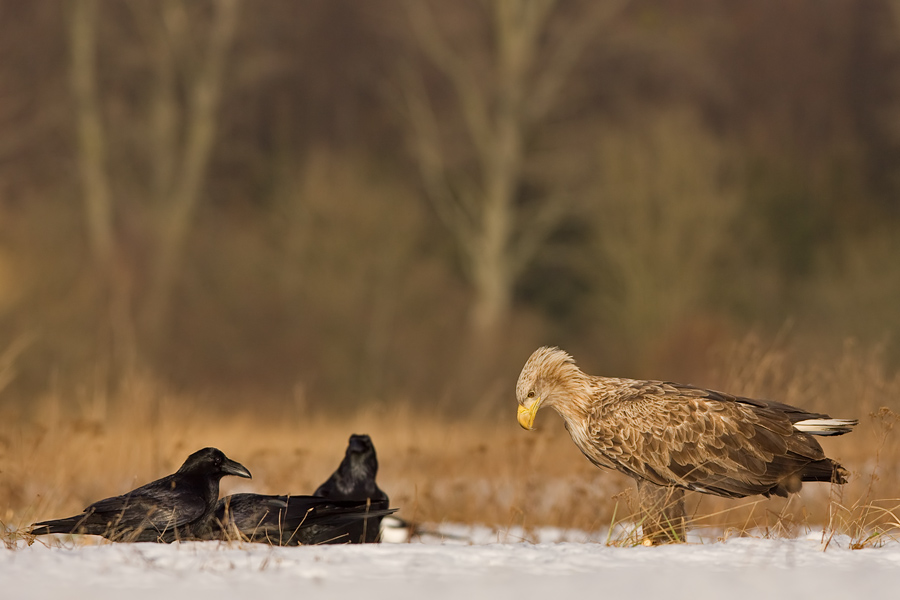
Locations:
671 437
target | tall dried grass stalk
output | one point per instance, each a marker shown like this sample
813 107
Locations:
436 469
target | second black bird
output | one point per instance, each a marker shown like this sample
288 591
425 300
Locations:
354 479
292 520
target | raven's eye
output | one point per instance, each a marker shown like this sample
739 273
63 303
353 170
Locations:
531 394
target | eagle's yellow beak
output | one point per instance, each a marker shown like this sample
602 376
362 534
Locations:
527 413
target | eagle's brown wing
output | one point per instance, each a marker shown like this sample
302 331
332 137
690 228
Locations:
702 440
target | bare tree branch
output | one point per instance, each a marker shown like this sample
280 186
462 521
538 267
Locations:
429 158
203 102
534 230
91 138
120 350
519 25
498 240
472 98
564 55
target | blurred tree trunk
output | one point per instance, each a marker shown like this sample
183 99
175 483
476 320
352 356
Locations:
180 144
528 65
91 141
116 344
180 167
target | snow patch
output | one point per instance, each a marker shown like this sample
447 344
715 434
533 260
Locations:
452 562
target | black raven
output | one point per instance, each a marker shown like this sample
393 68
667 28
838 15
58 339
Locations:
291 520
355 480
176 507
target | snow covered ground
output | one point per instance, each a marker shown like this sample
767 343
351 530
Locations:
483 565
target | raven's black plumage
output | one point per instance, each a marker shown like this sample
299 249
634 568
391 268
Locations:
355 480
292 520
178 506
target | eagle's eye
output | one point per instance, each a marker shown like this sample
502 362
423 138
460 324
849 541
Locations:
531 394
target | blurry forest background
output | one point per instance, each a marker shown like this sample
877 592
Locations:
334 203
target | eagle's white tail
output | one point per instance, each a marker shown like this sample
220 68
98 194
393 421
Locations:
826 426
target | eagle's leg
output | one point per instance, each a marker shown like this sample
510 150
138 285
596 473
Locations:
662 513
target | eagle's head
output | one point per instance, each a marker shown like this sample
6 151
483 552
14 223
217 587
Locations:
542 381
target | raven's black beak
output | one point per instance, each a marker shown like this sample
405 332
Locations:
231 467
359 443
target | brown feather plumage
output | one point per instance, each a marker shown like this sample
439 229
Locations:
679 435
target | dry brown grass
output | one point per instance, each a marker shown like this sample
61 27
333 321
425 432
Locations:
487 471
433 469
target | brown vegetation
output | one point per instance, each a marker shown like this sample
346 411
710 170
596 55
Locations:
439 469
301 211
